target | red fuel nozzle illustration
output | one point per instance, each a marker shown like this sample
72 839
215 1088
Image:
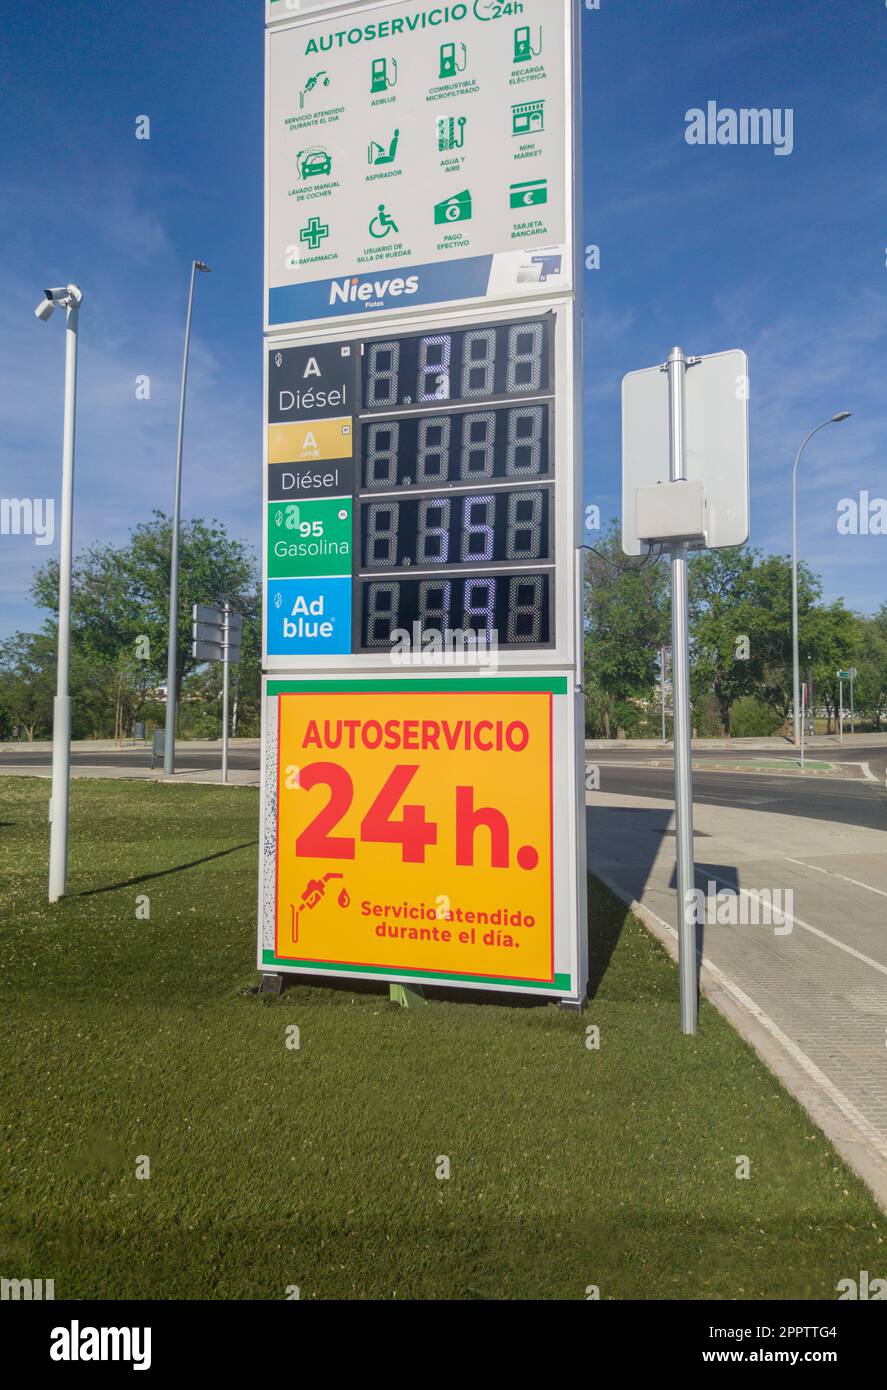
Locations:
313 893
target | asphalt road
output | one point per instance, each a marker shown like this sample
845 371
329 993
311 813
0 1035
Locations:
846 802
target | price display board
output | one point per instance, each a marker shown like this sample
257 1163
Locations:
416 493
422 804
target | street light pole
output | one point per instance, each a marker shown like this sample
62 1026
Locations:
68 297
169 749
796 672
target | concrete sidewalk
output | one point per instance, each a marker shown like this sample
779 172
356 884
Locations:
778 745
108 745
809 994
237 777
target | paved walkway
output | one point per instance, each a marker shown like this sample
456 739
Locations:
812 998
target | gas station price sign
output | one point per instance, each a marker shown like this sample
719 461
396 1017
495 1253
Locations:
423 803
412 481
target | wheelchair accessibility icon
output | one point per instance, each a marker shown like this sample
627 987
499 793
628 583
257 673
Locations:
382 224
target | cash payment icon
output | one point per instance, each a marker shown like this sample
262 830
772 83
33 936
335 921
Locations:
455 209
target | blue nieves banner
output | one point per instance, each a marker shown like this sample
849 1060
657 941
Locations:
398 288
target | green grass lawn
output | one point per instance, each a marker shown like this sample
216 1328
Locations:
271 1167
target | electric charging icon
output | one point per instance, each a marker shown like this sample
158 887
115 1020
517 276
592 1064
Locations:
524 52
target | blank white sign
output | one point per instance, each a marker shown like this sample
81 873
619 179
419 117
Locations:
716 435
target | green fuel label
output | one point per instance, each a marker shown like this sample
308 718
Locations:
310 538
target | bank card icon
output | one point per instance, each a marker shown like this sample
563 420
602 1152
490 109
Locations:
531 194
455 209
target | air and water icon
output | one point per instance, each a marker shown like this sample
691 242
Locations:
451 133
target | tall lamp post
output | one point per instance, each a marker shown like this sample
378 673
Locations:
796 672
169 749
69 298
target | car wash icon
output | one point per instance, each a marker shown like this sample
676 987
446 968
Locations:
315 162
314 893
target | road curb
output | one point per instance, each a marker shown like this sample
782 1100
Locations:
836 1116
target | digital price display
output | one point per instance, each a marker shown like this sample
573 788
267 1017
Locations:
464 364
454 522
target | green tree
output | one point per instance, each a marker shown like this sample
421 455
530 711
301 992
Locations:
27 684
120 595
626 624
729 643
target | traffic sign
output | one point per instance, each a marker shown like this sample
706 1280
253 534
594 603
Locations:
716 450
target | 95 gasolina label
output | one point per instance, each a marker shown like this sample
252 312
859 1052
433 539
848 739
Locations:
310 538
416 835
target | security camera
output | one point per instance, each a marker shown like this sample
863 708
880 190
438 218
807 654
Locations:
67 296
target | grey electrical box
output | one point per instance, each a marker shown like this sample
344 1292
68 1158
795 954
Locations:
671 512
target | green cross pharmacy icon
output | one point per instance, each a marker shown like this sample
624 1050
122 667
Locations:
314 233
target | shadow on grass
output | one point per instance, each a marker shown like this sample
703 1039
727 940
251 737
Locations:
163 873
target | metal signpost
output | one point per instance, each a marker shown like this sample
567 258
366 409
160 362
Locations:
423 809
684 487
216 635
849 675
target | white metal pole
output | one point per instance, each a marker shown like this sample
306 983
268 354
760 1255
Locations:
680 684
803 730
796 670
169 751
226 667
61 706
841 714
852 705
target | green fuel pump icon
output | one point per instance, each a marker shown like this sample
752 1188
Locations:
384 75
449 61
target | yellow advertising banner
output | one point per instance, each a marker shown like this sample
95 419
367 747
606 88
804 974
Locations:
311 441
421 841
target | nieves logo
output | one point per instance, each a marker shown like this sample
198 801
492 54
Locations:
354 290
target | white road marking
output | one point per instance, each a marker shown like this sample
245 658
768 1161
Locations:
832 873
799 921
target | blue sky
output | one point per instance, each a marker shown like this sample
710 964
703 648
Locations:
710 247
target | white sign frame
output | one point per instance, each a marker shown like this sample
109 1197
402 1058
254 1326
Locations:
716 440
499 292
